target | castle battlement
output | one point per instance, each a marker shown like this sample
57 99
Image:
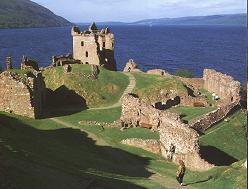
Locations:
94 46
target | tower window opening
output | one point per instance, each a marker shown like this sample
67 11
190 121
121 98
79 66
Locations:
87 54
82 43
103 44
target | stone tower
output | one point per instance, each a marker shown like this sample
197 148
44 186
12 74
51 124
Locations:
94 46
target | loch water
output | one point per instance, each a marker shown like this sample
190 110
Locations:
223 48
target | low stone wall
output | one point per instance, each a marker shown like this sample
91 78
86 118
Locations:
159 72
148 145
206 121
22 95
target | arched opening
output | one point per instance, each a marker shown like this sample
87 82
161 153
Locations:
103 44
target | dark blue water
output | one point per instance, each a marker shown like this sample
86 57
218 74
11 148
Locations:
168 47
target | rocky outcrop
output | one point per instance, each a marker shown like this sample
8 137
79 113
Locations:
22 94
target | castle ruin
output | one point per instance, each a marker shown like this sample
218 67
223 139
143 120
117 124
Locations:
94 46
22 94
177 139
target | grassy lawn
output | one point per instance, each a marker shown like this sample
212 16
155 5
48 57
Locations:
190 113
148 87
64 158
230 136
108 115
105 90
43 154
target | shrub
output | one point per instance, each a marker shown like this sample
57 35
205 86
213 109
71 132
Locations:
184 73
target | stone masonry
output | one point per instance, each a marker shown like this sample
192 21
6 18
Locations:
131 66
177 140
22 94
222 85
94 46
159 72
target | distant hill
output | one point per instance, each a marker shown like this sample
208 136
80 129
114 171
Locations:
234 19
25 13
229 19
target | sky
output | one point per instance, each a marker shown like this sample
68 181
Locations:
134 10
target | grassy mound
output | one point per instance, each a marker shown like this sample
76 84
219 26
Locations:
105 90
148 87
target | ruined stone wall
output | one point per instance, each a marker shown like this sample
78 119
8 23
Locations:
193 83
89 52
131 66
149 145
94 47
22 95
207 120
222 85
186 100
177 140
159 72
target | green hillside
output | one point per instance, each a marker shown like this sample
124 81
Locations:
25 13
103 91
61 153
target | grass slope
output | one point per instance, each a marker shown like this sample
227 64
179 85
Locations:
42 154
25 13
148 87
230 136
106 90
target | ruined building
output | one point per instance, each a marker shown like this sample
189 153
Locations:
22 94
27 64
177 139
94 46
